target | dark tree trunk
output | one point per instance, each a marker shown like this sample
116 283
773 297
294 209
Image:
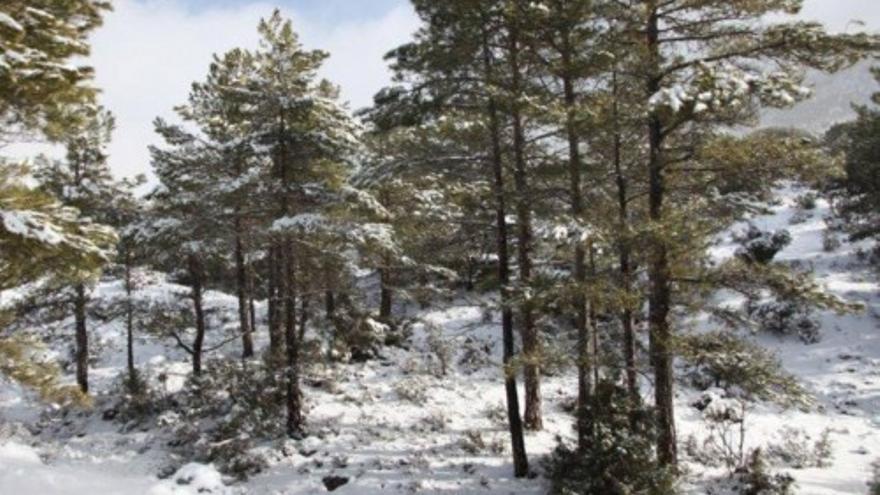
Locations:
275 303
293 402
514 421
329 304
195 269
531 343
129 321
82 338
625 259
386 296
585 384
241 279
660 295
304 317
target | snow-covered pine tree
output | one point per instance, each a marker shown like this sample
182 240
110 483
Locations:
703 64
39 79
453 65
309 139
219 108
183 225
83 181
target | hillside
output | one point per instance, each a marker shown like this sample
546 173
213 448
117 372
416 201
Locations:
394 425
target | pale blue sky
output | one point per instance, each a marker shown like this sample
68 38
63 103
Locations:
322 9
150 51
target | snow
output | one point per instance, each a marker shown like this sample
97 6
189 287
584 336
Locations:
10 23
192 479
365 429
30 225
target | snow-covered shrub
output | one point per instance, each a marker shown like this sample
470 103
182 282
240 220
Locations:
618 459
137 401
787 318
807 201
755 479
440 348
798 450
434 422
724 445
414 389
758 246
738 368
222 413
475 355
830 241
474 443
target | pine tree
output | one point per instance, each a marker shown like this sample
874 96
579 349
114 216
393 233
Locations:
453 65
218 110
39 41
83 181
182 225
859 189
704 64
309 139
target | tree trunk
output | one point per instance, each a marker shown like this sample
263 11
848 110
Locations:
514 421
531 343
304 317
293 392
82 338
275 303
329 304
386 296
129 320
195 269
660 296
585 384
624 258
241 280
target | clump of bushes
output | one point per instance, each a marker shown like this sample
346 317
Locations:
787 319
218 417
758 246
620 456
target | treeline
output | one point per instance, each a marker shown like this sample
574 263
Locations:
574 160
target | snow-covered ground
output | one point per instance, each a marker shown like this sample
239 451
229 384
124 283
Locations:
451 437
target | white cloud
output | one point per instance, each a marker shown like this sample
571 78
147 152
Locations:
149 52
839 15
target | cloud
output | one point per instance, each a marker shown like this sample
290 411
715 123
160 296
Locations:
149 52
839 15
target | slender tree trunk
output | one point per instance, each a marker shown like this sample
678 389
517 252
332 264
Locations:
82 338
585 385
304 317
624 258
295 418
329 304
660 295
129 320
274 307
241 280
195 268
531 343
514 421
386 296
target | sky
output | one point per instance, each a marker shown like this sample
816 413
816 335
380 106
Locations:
149 51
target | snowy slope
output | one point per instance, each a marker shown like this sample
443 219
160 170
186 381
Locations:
450 438
833 97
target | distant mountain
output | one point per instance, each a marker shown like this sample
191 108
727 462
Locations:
832 101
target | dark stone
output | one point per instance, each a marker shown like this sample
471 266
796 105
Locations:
334 482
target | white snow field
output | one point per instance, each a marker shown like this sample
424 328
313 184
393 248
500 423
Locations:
363 430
